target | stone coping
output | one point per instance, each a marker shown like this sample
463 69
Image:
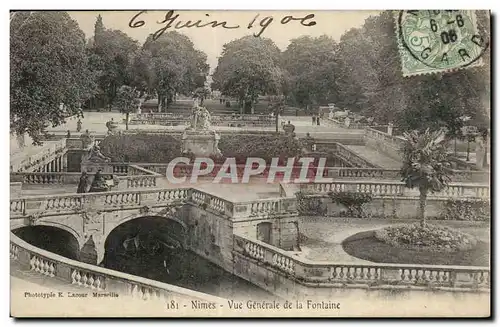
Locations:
311 263
112 273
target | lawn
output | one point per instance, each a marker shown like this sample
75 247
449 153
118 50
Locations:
365 246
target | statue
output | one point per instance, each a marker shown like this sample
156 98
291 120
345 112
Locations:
200 119
111 127
87 139
199 139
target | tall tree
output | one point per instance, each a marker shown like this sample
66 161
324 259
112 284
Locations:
112 54
126 101
247 68
48 67
170 65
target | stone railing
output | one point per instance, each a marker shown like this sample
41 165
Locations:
211 203
134 181
159 115
396 189
362 173
139 170
388 174
394 141
120 168
72 203
265 207
86 276
339 123
353 157
34 206
243 120
372 275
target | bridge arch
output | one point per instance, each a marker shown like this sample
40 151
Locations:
54 238
166 229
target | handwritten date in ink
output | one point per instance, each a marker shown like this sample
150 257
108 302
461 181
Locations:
174 20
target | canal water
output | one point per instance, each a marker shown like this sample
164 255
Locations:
178 267
186 269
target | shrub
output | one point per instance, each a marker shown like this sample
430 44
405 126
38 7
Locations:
469 210
309 205
353 201
141 147
426 237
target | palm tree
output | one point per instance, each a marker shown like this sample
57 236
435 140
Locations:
425 164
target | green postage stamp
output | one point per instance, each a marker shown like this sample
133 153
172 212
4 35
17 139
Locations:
433 41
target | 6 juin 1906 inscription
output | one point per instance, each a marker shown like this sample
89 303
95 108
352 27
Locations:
250 163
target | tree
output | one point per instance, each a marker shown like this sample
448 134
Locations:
170 65
310 64
425 164
112 53
48 68
277 107
126 101
247 68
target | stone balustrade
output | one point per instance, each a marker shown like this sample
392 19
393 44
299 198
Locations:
394 141
342 124
120 168
86 276
352 157
395 189
138 170
265 207
48 152
136 181
35 206
211 203
73 203
370 274
362 173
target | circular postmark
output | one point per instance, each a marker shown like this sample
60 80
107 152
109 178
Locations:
441 39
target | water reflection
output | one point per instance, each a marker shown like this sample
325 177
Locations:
185 269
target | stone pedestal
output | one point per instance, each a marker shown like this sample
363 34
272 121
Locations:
93 167
200 143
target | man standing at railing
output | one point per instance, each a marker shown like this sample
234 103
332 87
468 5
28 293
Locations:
83 184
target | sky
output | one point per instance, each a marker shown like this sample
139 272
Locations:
210 40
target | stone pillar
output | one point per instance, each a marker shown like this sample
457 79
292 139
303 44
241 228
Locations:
390 128
64 164
53 166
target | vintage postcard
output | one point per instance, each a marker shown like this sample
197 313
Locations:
250 164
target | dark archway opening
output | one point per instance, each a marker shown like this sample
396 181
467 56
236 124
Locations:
155 248
52 239
152 247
